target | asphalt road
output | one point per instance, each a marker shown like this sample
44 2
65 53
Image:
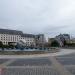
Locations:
60 63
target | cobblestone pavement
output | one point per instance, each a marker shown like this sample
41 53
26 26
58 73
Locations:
51 65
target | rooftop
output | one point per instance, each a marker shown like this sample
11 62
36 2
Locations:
8 31
16 32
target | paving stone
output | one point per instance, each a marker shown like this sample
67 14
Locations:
71 69
31 62
66 60
30 71
3 61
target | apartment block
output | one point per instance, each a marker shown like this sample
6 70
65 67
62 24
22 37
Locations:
14 36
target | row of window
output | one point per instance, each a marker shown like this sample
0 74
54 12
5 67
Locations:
13 39
9 39
5 35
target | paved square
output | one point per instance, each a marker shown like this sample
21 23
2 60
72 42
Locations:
31 62
3 60
51 65
66 59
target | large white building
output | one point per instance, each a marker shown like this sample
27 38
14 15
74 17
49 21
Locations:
13 37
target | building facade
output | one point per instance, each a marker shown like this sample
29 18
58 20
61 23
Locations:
13 37
63 37
39 40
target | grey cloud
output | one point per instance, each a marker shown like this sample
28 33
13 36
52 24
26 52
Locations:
50 17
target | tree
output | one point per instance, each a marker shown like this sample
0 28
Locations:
55 43
1 45
64 43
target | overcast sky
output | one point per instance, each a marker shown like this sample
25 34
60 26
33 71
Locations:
50 17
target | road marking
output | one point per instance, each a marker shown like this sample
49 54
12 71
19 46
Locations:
60 68
7 62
